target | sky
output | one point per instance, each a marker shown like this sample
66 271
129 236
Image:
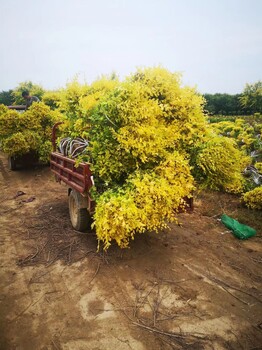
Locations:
215 44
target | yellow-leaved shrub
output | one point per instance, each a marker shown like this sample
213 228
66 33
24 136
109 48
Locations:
31 130
244 133
141 135
258 166
221 164
77 102
253 198
146 202
150 144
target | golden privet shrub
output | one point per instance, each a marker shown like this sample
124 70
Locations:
146 136
31 130
141 135
253 199
141 121
258 166
244 133
221 165
77 102
146 202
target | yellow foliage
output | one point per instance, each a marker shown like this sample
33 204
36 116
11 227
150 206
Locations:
253 199
52 99
116 218
144 119
70 98
146 203
97 90
241 131
222 165
77 102
28 131
258 166
144 132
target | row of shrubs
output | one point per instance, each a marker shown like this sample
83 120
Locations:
151 145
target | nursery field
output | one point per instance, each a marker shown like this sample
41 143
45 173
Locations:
193 286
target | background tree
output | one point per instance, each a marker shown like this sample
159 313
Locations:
251 98
34 90
223 104
6 97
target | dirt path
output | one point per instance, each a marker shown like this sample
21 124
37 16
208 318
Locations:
192 287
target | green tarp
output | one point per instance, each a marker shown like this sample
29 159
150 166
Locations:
239 230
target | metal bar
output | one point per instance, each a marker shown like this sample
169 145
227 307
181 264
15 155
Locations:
60 165
68 171
69 160
54 134
18 107
72 184
55 155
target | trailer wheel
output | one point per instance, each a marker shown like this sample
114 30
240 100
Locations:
11 163
80 217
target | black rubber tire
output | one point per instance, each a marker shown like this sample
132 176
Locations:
12 163
80 217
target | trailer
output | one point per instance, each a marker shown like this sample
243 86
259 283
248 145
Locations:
19 108
19 161
79 180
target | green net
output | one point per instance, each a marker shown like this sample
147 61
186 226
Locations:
239 230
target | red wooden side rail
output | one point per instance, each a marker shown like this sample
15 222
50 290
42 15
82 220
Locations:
78 178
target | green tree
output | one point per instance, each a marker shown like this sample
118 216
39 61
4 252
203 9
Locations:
223 104
34 90
6 97
251 98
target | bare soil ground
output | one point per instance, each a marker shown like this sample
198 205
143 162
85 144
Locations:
194 286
